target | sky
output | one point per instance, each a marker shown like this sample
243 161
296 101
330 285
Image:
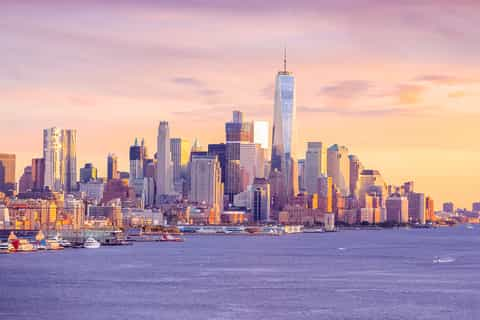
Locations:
397 82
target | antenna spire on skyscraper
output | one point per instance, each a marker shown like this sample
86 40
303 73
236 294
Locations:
285 59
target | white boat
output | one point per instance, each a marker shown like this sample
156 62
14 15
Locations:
443 259
65 243
91 243
5 247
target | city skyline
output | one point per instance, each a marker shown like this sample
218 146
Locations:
417 121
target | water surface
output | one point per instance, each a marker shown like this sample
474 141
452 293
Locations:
388 274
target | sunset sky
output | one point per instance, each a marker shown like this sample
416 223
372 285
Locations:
395 81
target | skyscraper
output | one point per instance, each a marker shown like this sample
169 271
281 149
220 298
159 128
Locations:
315 165
261 200
69 159
356 168
59 153
7 173
397 208
338 167
284 131
52 147
206 183
237 132
180 149
38 173
136 157
112 167
416 207
26 181
164 159
371 182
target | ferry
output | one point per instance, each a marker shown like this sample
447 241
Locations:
91 243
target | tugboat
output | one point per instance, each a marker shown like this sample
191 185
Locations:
170 238
91 243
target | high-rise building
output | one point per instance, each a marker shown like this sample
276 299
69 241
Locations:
180 149
416 207
397 209
88 173
52 153
338 167
476 207
219 150
325 191
26 180
59 153
261 200
284 132
69 159
315 165
164 162
7 173
301 174
371 182
356 168
449 207
429 209
251 163
237 132
136 157
206 183
38 173
112 167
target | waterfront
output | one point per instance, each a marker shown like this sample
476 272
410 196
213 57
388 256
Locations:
387 274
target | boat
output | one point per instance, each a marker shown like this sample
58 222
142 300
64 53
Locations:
171 238
443 259
25 246
5 247
65 243
53 244
91 243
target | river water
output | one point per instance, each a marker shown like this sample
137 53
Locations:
388 274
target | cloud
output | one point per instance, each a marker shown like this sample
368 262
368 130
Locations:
346 89
440 79
360 112
201 88
188 81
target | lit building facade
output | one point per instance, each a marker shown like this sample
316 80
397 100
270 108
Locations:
284 134
315 165
59 154
338 167
164 162
112 167
206 183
